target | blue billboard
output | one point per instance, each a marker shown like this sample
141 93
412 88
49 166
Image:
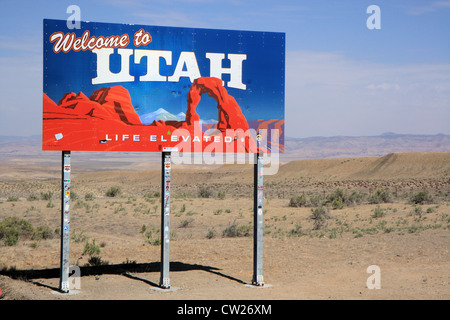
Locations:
121 87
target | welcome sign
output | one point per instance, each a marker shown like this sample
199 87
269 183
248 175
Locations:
118 87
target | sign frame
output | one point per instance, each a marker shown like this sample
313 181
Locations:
121 87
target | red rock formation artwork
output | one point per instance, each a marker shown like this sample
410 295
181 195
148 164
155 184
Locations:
111 104
107 121
230 114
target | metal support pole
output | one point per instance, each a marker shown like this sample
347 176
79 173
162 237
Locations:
258 221
65 222
165 220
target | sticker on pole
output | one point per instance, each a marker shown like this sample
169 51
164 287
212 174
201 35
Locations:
120 87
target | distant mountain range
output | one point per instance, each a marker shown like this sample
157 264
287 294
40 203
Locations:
363 146
162 114
295 148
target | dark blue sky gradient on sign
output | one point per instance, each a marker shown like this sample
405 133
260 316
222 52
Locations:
263 70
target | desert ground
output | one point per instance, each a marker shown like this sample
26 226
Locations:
326 221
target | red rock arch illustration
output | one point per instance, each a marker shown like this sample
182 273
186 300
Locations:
230 114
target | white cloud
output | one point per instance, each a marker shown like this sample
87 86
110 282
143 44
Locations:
430 7
383 86
328 94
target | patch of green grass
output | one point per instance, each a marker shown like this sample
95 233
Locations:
378 212
96 261
299 201
32 197
235 230
78 236
151 235
319 215
186 223
382 195
113 191
89 196
211 233
12 228
46 195
43 233
91 248
296 232
205 192
421 197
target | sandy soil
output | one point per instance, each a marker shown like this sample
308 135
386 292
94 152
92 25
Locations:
409 245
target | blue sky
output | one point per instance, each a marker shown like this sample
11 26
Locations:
341 77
